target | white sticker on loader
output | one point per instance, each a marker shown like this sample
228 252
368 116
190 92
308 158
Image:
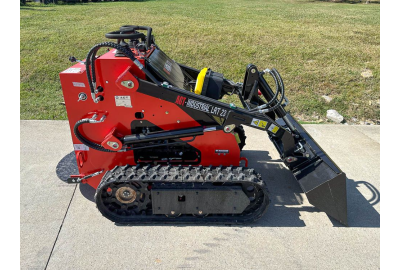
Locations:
81 147
123 101
274 129
259 123
168 67
72 70
78 84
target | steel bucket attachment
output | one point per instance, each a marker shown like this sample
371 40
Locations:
325 189
321 180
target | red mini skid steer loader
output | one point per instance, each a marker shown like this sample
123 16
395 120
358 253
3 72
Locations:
151 136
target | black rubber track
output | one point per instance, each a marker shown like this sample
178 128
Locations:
140 177
242 136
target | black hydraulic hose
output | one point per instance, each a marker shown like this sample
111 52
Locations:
89 62
285 118
92 60
91 57
280 79
282 91
278 90
85 141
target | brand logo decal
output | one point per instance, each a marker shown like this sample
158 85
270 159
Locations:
180 100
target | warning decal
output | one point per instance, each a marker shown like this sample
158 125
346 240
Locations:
259 123
274 129
123 101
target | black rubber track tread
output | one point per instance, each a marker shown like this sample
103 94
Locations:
242 136
173 175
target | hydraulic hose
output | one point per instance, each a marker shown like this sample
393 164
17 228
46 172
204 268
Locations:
276 92
280 88
282 91
280 80
91 57
85 141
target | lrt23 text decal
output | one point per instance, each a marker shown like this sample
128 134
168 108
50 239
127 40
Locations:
201 106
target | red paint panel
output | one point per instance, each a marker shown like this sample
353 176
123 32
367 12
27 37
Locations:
217 140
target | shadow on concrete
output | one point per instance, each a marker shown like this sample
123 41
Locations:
285 194
67 166
361 212
87 191
286 199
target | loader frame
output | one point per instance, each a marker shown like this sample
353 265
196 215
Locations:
319 177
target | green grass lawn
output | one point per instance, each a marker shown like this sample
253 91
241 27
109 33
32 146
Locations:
319 48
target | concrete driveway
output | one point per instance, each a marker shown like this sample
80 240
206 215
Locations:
62 229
